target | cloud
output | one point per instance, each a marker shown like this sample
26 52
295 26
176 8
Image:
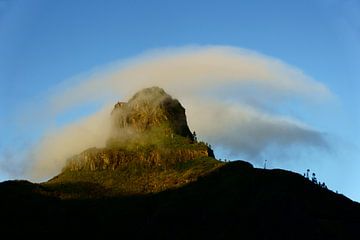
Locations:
249 132
188 71
57 145
231 95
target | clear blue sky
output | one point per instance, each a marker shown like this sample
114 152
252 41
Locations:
45 42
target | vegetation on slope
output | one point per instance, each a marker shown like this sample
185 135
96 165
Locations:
133 177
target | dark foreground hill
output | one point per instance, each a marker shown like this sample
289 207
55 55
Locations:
154 179
235 200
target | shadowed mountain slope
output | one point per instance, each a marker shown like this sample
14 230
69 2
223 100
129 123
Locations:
235 200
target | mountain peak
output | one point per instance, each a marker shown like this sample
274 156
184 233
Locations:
149 110
150 144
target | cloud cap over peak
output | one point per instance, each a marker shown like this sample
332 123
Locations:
232 98
189 69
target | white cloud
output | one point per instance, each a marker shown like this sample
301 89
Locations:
57 145
194 70
249 132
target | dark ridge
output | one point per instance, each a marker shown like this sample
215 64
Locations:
233 201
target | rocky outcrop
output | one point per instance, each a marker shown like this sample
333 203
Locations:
150 129
111 159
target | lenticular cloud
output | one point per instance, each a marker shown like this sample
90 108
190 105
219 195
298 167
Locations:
231 97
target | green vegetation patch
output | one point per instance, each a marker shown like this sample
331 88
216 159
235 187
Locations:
129 179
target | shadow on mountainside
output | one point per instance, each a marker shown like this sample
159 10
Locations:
235 200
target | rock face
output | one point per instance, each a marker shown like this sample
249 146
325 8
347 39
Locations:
110 159
150 109
150 129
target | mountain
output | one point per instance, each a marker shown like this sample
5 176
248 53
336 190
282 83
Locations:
154 179
150 149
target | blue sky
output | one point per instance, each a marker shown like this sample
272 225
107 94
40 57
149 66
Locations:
44 43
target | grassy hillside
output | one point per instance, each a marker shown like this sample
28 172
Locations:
133 177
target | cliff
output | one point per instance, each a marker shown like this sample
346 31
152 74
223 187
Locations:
151 115
111 159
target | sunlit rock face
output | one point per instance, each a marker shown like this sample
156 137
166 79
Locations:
149 110
111 159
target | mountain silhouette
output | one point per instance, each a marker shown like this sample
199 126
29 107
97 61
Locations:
154 179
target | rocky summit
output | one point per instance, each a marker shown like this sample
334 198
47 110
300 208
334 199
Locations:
149 140
149 109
